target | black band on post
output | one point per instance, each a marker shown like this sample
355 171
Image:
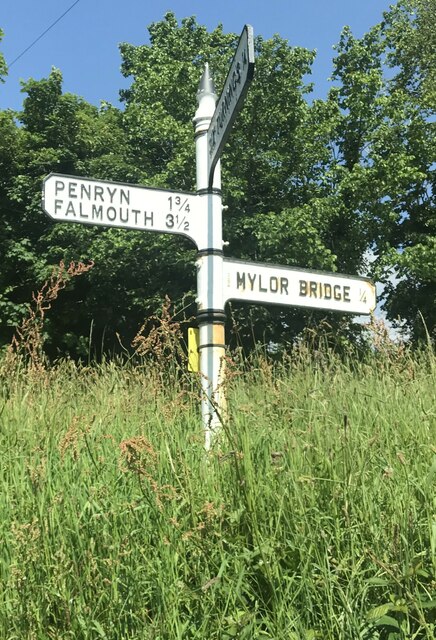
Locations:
212 190
211 316
210 344
209 252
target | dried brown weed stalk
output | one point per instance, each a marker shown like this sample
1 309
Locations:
28 340
160 337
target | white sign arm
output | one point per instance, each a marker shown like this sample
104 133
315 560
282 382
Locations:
112 204
275 284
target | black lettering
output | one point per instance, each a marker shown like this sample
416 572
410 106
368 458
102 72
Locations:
136 212
274 284
72 190
224 110
252 280
58 205
240 280
85 190
124 195
81 212
284 282
126 215
312 286
337 292
111 193
303 288
222 115
328 291
260 284
111 213
346 294
212 142
148 217
70 209
238 72
97 212
59 186
98 191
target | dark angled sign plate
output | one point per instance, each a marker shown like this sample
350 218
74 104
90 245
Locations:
231 99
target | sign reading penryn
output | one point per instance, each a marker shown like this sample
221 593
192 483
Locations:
273 284
235 87
111 204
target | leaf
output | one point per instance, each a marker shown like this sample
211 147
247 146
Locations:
99 629
431 474
378 612
428 604
380 582
388 622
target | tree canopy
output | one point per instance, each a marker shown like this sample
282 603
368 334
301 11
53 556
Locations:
345 183
3 67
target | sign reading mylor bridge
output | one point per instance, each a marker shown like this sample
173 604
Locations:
275 284
112 204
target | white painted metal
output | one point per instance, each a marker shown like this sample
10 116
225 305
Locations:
275 284
235 87
112 204
209 271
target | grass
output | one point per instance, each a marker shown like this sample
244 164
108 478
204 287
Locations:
314 516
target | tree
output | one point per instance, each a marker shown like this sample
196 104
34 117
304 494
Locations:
317 185
62 133
410 35
385 150
411 40
3 66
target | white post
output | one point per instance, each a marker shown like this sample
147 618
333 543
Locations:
210 301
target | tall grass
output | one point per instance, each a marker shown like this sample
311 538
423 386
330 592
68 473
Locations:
313 517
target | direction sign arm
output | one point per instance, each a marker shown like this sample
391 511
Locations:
232 97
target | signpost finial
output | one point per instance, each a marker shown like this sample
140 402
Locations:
206 86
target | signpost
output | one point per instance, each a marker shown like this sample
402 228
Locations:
199 217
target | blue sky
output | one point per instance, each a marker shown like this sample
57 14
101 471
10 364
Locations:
84 43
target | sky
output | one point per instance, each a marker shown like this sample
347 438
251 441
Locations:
83 43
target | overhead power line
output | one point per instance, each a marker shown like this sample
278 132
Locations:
43 34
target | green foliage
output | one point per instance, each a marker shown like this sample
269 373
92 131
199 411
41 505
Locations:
387 144
411 36
3 65
312 517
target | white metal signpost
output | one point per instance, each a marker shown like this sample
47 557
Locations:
199 217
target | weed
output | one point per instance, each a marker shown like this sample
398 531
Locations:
315 517
28 342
